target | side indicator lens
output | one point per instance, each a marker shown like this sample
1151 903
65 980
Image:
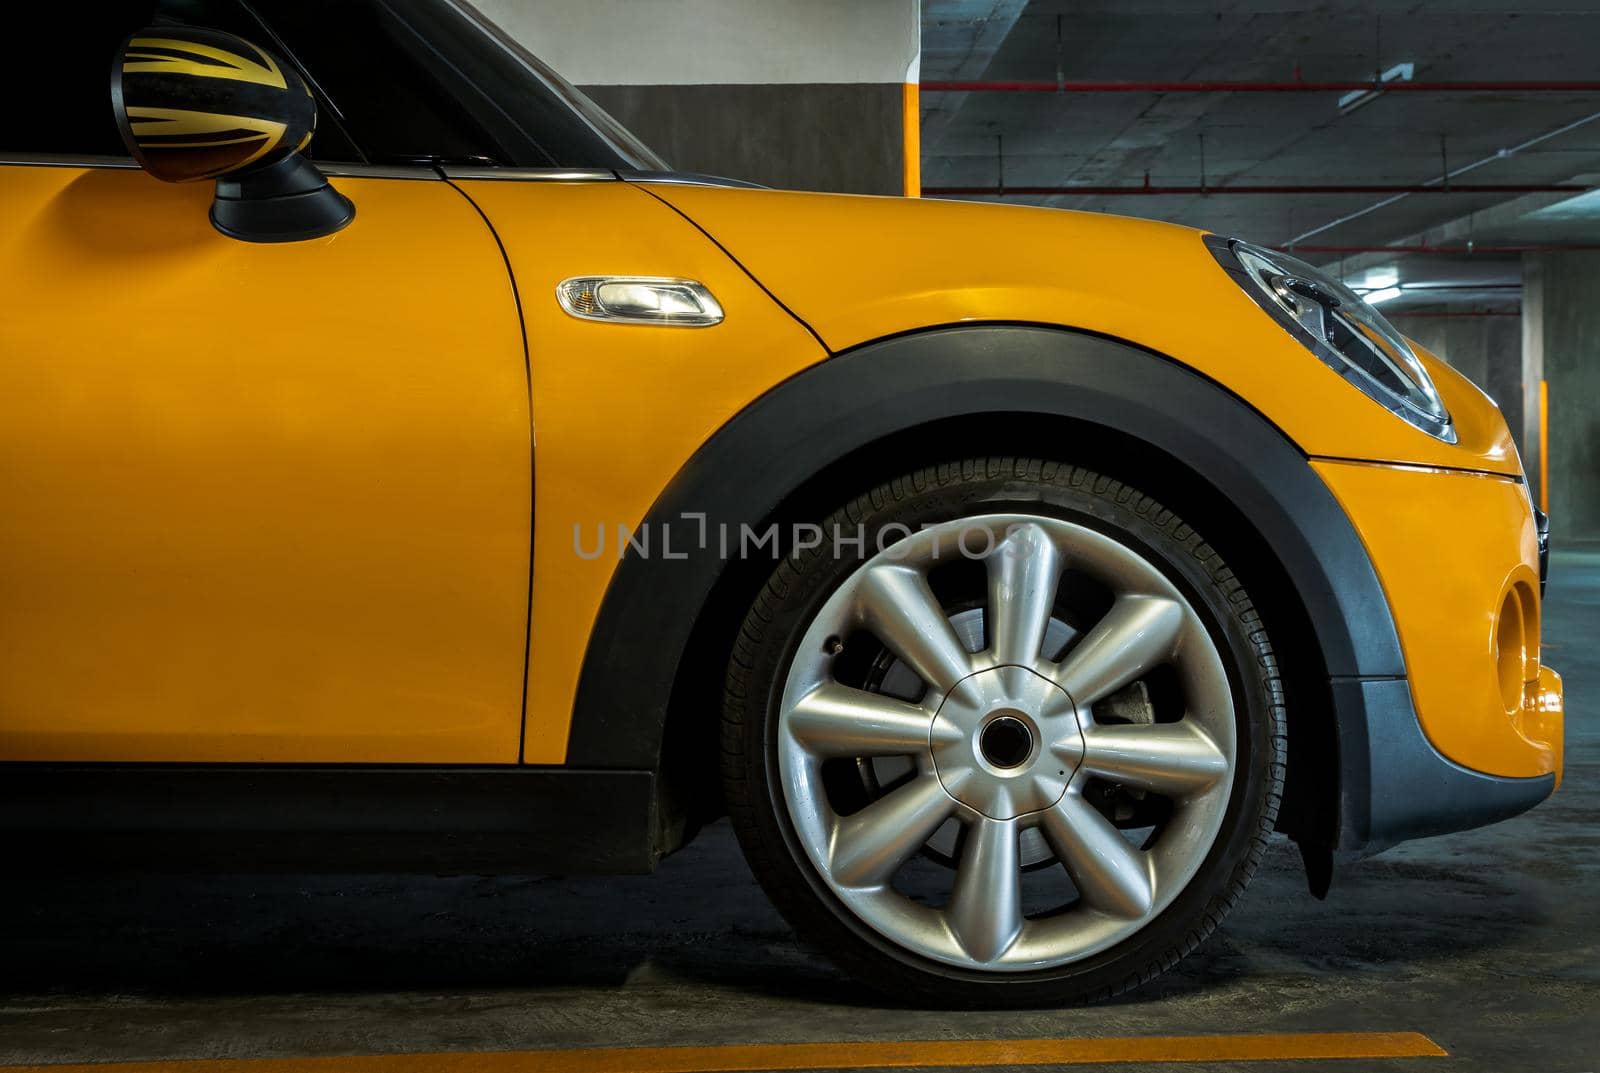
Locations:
654 300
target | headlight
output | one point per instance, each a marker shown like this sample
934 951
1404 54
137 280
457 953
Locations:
1341 328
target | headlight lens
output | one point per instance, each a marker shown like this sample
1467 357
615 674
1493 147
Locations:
1341 328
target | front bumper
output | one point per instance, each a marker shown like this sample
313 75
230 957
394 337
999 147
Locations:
1396 786
1473 732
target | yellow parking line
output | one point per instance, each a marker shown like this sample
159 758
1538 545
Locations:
751 1058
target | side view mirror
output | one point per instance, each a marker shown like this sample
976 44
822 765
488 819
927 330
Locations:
198 104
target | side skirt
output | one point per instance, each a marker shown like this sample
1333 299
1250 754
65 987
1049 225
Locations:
179 817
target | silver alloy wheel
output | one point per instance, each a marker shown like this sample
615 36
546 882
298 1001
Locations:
1005 741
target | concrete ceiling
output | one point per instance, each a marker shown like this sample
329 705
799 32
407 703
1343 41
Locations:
1242 139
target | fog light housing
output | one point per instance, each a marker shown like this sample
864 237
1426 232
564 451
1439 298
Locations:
1516 646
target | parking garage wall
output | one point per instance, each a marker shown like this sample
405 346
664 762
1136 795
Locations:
1562 345
1487 349
813 96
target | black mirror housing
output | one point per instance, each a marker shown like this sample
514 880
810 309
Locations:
195 104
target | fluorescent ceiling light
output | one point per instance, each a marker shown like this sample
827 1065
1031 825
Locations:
1582 207
1379 296
1378 278
1357 97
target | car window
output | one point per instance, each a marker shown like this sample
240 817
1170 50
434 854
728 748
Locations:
65 88
430 79
396 81
60 87
379 69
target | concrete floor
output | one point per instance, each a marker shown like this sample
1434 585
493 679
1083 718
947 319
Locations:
1485 941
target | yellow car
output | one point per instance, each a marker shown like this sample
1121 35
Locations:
451 486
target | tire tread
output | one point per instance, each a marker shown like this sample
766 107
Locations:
800 907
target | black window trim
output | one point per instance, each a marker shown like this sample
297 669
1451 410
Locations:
340 170
325 99
543 175
346 170
519 54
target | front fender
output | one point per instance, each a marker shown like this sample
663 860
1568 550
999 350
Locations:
841 408
862 268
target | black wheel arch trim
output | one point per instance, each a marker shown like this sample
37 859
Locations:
745 471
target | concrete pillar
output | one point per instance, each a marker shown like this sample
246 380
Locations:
818 95
1533 377
1561 309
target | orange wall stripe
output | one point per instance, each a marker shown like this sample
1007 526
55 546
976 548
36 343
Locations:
792 1056
911 128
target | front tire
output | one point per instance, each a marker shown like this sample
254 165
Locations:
1021 743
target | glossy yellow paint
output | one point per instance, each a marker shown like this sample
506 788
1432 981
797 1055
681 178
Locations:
257 502
860 268
1447 544
617 408
1449 549
1544 722
273 502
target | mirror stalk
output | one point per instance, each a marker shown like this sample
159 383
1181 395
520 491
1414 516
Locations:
287 202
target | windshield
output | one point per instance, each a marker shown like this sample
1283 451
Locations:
640 155
409 80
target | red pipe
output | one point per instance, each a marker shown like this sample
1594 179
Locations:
1475 247
1418 288
1295 86
1397 314
1113 191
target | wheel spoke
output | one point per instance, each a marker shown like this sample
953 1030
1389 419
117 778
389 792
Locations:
1175 759
1110 874
899 607
836 720
870 846
985 913
1137 634
937 748
1023 572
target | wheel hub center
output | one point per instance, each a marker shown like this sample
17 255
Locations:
1006 742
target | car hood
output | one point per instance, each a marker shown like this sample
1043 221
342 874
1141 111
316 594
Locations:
856 269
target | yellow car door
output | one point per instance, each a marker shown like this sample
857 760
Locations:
258 501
